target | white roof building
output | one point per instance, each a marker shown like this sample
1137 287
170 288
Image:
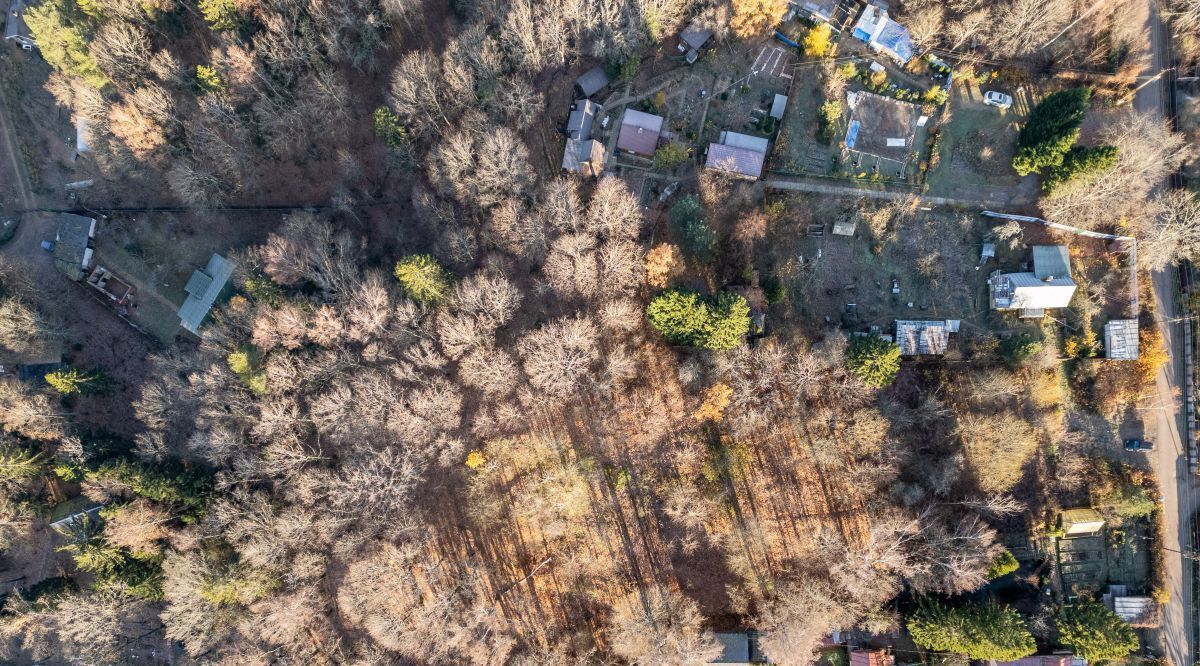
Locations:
1121 339
1048 287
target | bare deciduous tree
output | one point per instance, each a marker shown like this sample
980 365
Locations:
1173 234
560 356
661 626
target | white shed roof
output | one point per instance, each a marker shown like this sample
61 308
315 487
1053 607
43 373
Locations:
1121 339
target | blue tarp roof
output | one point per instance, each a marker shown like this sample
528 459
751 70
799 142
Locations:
895 38
852 134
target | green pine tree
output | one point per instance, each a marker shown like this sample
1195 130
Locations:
1095 633
687 216
1080 165
985 630
873 360
1052 129
389 128
70 381
19 462
695 320
423 279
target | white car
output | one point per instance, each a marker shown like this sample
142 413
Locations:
997 99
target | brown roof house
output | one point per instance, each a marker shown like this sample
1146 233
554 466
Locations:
640 132
739 155
583 153
875 657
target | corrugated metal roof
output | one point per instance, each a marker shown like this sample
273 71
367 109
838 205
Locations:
639 132
198 283
592 81
871 658
14 22
922 338
1039 660
820 8
756 143
1081 521
196 307
585 157
72 244
1121 339
1051 261
1132 609
580 122
738 161
735 647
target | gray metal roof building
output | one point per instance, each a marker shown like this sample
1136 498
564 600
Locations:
778 106
203 289
739 647
583 116
73 245
1051 261
592 81
1121 339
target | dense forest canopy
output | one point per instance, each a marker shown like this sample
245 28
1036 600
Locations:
461 408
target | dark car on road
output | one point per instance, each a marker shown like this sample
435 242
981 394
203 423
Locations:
1138 445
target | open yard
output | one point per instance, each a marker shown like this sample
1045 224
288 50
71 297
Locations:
156 254
852 280
977 144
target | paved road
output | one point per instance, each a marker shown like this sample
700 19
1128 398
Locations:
1167 423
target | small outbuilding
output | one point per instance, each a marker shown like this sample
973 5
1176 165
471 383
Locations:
692 39
779 106
739 647
1039 660
202 289
74 245
1081 522
14 24
591 82
640 132
1121 340
924 338
1138 610
819 10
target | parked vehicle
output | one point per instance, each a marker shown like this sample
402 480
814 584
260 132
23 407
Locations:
1138 445
997 99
